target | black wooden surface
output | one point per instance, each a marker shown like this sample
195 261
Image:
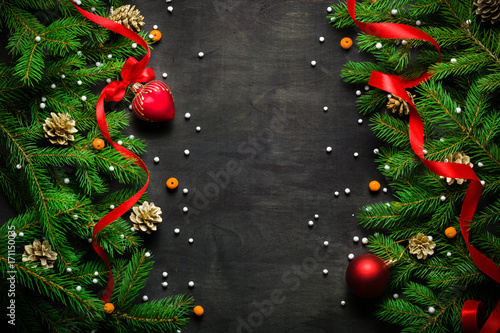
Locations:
258 170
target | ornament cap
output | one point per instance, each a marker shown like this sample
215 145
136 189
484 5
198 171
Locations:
136 87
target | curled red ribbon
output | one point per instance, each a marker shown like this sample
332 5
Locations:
132 71
396 85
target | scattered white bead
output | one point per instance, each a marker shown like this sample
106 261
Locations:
418 22
404 42
355 154
164 284
75 217
198 128
448 254
321 39
96 273
78 288
98 64
92 9
79 82
352 215
313 63
325 272
164 274
347 191
443 198
170 9
68 270
78 2
120 142
376 151
389 96
316 216
145 298
336 193
367 87
156 159
79 52
424 151
84 98
333 18
442 139
63 76
132 229
378 46
95 281
176 231
453 60
386 167
108 80
130 107
190 241
164 75
111 168
66 180
342 303
480 164
122 236
328 149
18 166
38 39
364 240
147 254
468 21
326 243
151 36
191 284
430 238
185 191
483 182
431 310
458 110
21 234
310 223
384 190
329 9
185 209
358 92
89 240
350 256
186 152
44 99
394 12
325 108
155 27
355 239
53 86
134 45
187 115
201 54
110 56
131 137
396 296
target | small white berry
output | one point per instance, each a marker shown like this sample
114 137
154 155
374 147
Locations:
430 238
190 241
21 234
395 296
394 12
79 52
333 18
66 180
164 284
92 9
147 254
347 191
424 151
38 39
316 216
170 9
468 21
325 272
44 99
404 42
151 36
187 115
108 80
79 82
336 193
376 151
480 165
131 137
313 63
130 107
364 240
191 284
384 190
122 236
120 142
84 98
68 270
310 223
63 76
111 168
95 281
356 154
132 229
18 166
325 108
177 231
360 121
156 159
155 27
418 22
96 273
98 64
350 256
458 110
89 240
453 60
134 45
164 75
78 288
448 254
201 55
367 87
321 39
110 56
329 9
326 243
198 128
185 191
443 198
378 46
186 152
75 217
164 274
432 310
145 298
342 303
53 86
483 182
355 239
329 149
358 92
185 209
387 167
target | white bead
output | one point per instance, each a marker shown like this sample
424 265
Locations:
132 229
321 39
110 56
325 108
468 21
63 76
130 107
164 75
53 86
78 2
108 80
389 96
360 121
18 166
21 234
84 98
336 193
313 63
333 18
79 52
155 27
347 191
355 154
396 296
386 167
367 87
358 92
458 110
131 137
66 180
185 191
350 256
342 303
325 272
453 60
147 254
328 149
394 12
404 42
186 152
201 54
310 223
177 230
191 284
329 9
424 151
316 216
384 190
185 209
92 9
430 238
164 284
38 39
355 239
44 99
164 274
483 182
134 45
95 281
170 8
198 128
418 22
78 288
431 310
79 82
187 115
151 36
326 243
68 269
376 151
448 254
480 164
75 217
145 298
111 168
443 198
378 46
122 236
190 241
89 240
96 273
120 142
98 64
364 240
156 159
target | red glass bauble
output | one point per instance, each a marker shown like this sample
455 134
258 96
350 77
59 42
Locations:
367 276
153 101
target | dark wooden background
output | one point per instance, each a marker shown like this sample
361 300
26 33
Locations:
258 170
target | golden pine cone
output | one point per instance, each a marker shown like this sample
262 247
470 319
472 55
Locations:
128 16
399 105
488 10
146 217
421 246
459 158
59 128
40 251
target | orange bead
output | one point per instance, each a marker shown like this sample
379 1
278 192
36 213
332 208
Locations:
172 183
198 310
346 43
109 307
156 35
374 186
450 232
98 144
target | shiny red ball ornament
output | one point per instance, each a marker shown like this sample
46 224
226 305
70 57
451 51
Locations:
367 276
153 101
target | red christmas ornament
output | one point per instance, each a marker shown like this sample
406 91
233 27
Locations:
367 276
153 101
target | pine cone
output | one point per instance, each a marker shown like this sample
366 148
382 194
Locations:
40 252
128 16
488 10
459 158
59 129
146 217
421 246
397 104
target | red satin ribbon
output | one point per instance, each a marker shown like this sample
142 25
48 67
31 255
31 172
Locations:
396 85
132 71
